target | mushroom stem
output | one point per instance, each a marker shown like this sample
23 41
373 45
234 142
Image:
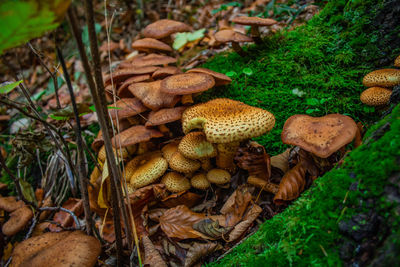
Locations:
187 100
265 185
255 34
226 153
206 164
238 49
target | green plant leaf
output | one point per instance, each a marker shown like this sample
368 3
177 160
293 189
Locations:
231 74
27 191
183 38
312 101
25 20
7 87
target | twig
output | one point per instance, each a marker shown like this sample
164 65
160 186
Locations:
103 121
78 133
78 225
32 227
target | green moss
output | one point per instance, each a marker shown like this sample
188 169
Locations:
326 59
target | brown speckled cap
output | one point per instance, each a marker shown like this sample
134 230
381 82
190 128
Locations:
254 21
57 249
187 83
194 145
152 96
123 74
199 181
147 44
184 165
126 107
175 182
17 221
123 89
161 73
164 116
321 136
376 96
163 28
224 120
397 62
220 79
382 78
218 176
225 36
148 171
134 135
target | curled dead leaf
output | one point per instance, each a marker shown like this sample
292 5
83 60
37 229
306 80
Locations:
241 227
292 184
152 256
235 206
186 198
199 250
211 228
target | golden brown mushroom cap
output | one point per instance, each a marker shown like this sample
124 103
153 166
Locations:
123 74
61 249
134 135
321 136
220 79
126 107
184 165
149 60
10 204
376 96
224 120
133 164
123 91
187 83
169 150
148 171
218 176
164 116
175 182
165 72
102 153
150 43
254 21
18 220
397 62
226 36
199 181
164 27
152 96
194 145
382 78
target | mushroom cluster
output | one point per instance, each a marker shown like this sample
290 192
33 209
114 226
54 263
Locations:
380 84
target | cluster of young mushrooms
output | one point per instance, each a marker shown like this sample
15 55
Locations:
380 84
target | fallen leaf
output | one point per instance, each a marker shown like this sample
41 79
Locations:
199 250
65 219
186 198
178 222
152 256
241 227
211 228
292 184
235 206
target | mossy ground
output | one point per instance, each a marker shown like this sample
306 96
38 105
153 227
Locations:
326 59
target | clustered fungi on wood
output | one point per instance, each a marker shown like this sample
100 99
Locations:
380 84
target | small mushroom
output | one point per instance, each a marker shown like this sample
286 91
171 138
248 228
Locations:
382 78
10 203
230 36
123 74
61 249
220 79
102 153
181 164
376 96
255 23
134 135
126 107
227 122
169 150
164 116
397 62
146 169
218 176
18 220
199 181
123 91
175 182
150 44
187 83
152 95
164 28
164 72
149 60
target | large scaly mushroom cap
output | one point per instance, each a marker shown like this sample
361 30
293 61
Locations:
382 78
61 249
199 181
226 36
218 176
148 170
195 146
164 72
175 182
254 21
187 83
163 28
183 165
18 220
134 135
164 116
220 79
126 107
376 96
321 136
224 120
152 96
149 60
133 164
146 44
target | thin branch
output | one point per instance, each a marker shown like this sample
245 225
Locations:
78 133
78 225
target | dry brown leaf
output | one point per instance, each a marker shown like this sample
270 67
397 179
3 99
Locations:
65 219
241 227
186 198
265 185
235 206
155 214
255 160
178 222
281 161
292 184
211 228
152 256
199 250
